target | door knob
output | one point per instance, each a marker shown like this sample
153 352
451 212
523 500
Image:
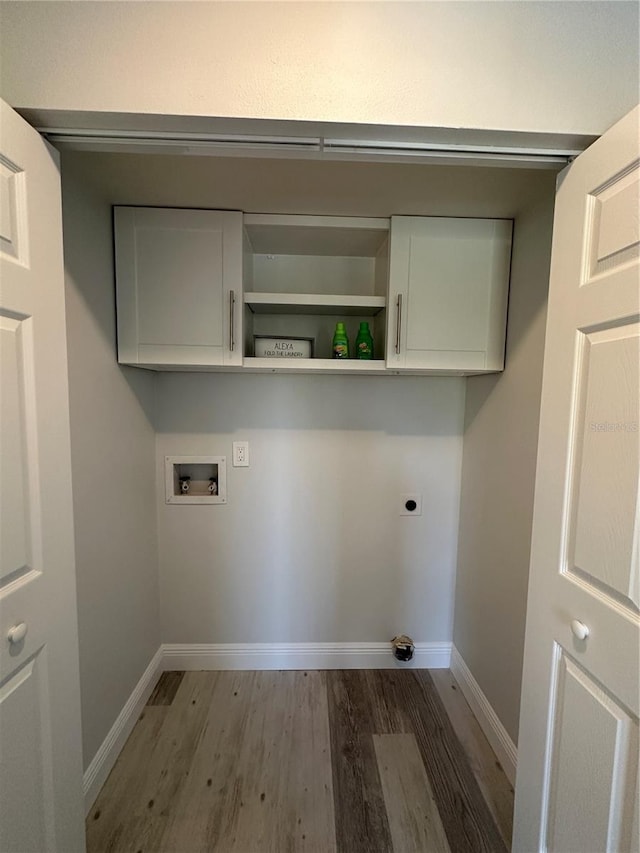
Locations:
579 629
17 633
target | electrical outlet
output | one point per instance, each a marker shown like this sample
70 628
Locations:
410 505
240 454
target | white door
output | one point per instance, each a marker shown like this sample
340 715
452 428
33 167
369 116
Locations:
577 782
41 807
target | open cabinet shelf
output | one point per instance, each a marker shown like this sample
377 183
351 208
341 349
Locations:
303 274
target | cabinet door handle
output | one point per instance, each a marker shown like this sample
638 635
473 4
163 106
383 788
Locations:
232 311
398 322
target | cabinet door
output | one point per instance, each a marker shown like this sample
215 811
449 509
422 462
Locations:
448 287
179 286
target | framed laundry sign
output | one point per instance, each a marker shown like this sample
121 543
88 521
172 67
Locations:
269 347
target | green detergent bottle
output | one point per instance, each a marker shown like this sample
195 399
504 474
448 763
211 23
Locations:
340 342
364 342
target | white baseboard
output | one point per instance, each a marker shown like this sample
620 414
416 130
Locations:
493 729
96 773
301 656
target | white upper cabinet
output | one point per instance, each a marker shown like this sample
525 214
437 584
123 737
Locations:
448 290
197 288
179 287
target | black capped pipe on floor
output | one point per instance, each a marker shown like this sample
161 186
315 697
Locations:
403 647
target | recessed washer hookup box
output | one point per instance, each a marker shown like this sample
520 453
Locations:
269 347
195 479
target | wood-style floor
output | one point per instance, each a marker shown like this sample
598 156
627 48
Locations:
355 761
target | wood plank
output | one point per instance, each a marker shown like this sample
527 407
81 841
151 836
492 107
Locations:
388 716
287 800
165 690
309 768
211 796
492 780
168 769
465 815
157 779
361 819
261 777
413 815
108 822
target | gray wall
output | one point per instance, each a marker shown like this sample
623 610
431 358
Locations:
564 67
113 470
310 546
498 474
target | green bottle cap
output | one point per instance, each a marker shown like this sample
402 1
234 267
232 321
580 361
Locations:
364 327
339 327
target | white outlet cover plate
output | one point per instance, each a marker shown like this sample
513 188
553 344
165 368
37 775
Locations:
240 454
403 504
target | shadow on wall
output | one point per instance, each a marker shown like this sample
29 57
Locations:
498 480
527 313
223 403
90 294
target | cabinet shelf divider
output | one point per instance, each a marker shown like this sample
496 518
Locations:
314 303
